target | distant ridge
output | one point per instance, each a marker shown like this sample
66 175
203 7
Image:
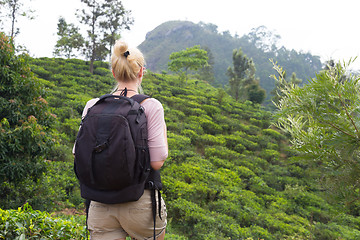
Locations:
174 36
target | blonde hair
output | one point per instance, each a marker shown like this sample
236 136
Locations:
126 62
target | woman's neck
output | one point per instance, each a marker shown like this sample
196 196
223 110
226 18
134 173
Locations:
129 89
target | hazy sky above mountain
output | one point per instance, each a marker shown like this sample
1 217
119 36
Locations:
327 28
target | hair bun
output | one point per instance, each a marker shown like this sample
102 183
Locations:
120 48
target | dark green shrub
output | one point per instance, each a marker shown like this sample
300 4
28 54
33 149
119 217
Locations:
239 148
209 140
60 152
257 232
270 155
252 146
221 152
195 126
193 220
303 199
210 110
179 91
258 185
256 122
25 120
58 78
26 223
102 71
101 64
322 231
234 139
40 71
57 188
191 134
178 142
274 134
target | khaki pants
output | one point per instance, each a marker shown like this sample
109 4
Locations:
134 219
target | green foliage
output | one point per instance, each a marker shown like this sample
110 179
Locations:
227 170
282 82
242 82
116 19
274 134
321 117
26 223
228 175
57 188
104 21
69 39
24 118
192 58
255 93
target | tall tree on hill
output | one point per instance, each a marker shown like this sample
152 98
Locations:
116 18
13 9
91 16
264 39
282 83
256 94
253 91
242 81
69 39
193 58
105 19
237 74
207 72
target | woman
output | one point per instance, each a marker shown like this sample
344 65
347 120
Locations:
134 219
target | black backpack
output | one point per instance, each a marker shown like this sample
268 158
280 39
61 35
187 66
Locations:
112 159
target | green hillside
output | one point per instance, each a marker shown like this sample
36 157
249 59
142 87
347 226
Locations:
260 45
229 175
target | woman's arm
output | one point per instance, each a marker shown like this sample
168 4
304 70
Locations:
157 137
157 165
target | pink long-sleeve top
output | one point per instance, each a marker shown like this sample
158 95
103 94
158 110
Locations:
157 138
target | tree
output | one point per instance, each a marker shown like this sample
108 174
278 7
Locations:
193 58
242 78
322 118
14 9
237 73
105 19
256 94
264 39
253 91
207 72
331 64
209 27
69 39
91 16
282 82
116 18
24 120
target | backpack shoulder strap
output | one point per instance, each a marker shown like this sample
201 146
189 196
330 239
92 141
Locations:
140 97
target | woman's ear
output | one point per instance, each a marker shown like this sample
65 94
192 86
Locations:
112 70
141 73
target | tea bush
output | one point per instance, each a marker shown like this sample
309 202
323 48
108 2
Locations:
26 223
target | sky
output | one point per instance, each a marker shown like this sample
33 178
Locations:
325 28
